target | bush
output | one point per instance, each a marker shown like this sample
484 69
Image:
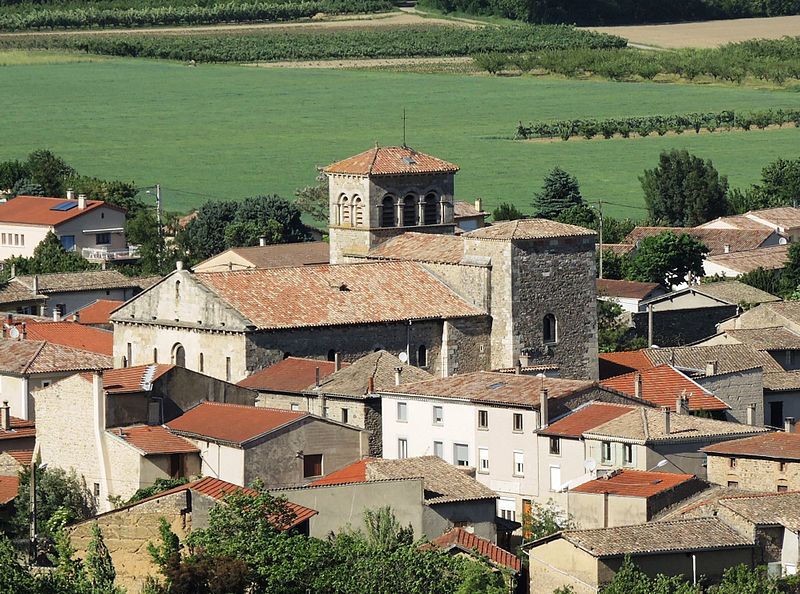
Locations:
492 62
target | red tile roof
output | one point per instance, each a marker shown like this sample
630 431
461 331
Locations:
97 312
233 423
625 289
634 483
293 374
391 160
736 240
632 359
353 473
36 210
9 487
24 457
775 446
77 336
24 357
331 295
129 380
662 385
154 440
468 542
20 428
585 419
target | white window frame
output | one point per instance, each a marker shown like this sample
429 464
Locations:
606 445
507 508
402 448
519 463
556 467
455 457
521 423
483 460
485 413
440 420
402 412
627 448
438 451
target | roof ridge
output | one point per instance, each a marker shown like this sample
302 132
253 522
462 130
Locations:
374 158
34 356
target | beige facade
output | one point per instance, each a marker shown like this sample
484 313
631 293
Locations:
754 474
20 391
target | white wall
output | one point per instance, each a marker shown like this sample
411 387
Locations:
570 465
222 462
30 235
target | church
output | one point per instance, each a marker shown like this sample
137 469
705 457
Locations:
402 277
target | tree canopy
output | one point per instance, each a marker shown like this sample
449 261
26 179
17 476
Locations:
560 191
48 256
506 211
667 259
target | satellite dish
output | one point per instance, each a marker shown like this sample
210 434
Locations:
13 333
403 357
590 464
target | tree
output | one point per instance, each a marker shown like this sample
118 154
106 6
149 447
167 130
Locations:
313 200
250 233
560 191
743 580
204 236
790 276
613 333
544 520
780 184
263 209
384 532
684 190
50 256
506 211
766 280
632 580
11 172
99 567
667 259
118 193
49 171
580 215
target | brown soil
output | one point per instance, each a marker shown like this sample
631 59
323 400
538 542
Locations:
691 132
707 34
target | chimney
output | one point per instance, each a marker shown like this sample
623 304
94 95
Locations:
711 368
680 402
751 414
24 333
726 248
70 194
35 284
371 385
81 201
179 265
56 316
397 372
478 204
262 241
544 413
99 400
524 359
337 361
5 416
666 413
518 368
637 385
13 270
76 317
316 378
788 424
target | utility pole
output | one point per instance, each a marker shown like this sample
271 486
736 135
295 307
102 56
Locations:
32 497
600 215
158 207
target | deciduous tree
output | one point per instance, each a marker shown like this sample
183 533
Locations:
667 259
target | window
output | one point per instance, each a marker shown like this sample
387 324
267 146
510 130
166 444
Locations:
519 464
422 356
781 466
179 356
3 238
295 406
549 329
387 212
605 454
438 449
410 211
22 240
507 509
175 465
483 419
627 453
312 465
96 490
555 446
129 352
402 448
201 363
518 422
227 368
402 412
460 454
438 415
358 208
61 309
483 459
177 290
155 355
16 239
345 415
733 484
331 355
45 384
555 478
326 412
431 210
782 488
732 462
344 210
102 238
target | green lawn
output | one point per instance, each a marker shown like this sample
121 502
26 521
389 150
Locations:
231 131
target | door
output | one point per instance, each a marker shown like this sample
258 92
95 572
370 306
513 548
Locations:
776 414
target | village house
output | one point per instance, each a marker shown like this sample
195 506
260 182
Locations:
97 313
93 228
281 385
769 462
587 560
717 240
739 263
240 444
127 530
467 217
426 493
628 294
783 220
267 256
15 434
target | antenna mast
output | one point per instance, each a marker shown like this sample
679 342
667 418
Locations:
404 127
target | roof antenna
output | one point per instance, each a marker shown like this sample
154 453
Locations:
404 128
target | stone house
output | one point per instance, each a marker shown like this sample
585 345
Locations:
718 240
587 560
15 434
128 529
735 265
426 493
281 385
781 343
783 220
266 256
240 444
12 462
768 462
467 217
487 421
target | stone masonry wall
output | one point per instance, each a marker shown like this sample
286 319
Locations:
738 390
753 474
682 326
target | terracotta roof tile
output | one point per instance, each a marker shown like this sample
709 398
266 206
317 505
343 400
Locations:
9 488
468 542
35 356
24 457
293 374
501 388
232 423
353 473
769 258
733 222
129 380
729 358
154 440
97 312
70 334
767 509
274 256
634 483
463 209
330 295
585 419
625 289
662 385
778 445
421 247
64 282
621 249
657 537
14 292
782 381
391 160
20 429
37 210
715 240
528 229
734 292
380 366
766 339
631 359
786 217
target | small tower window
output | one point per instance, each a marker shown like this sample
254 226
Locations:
431 210
387 212
177 290
179 355
410 211
549 329
344 210
422 356
358 209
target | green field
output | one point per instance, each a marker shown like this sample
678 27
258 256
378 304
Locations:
232 131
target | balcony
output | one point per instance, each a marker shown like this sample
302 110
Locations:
106 255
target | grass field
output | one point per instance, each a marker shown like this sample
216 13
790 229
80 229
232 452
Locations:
230 131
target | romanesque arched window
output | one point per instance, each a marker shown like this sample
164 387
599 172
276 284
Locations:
388 217
358 212
344 210
179 355
549 329
422 356
410 211
431 210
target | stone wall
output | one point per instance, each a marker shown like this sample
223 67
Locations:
753 474
479 514
679 327
739 390
467 347
471 282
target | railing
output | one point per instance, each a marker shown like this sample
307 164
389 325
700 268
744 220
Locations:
104 254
